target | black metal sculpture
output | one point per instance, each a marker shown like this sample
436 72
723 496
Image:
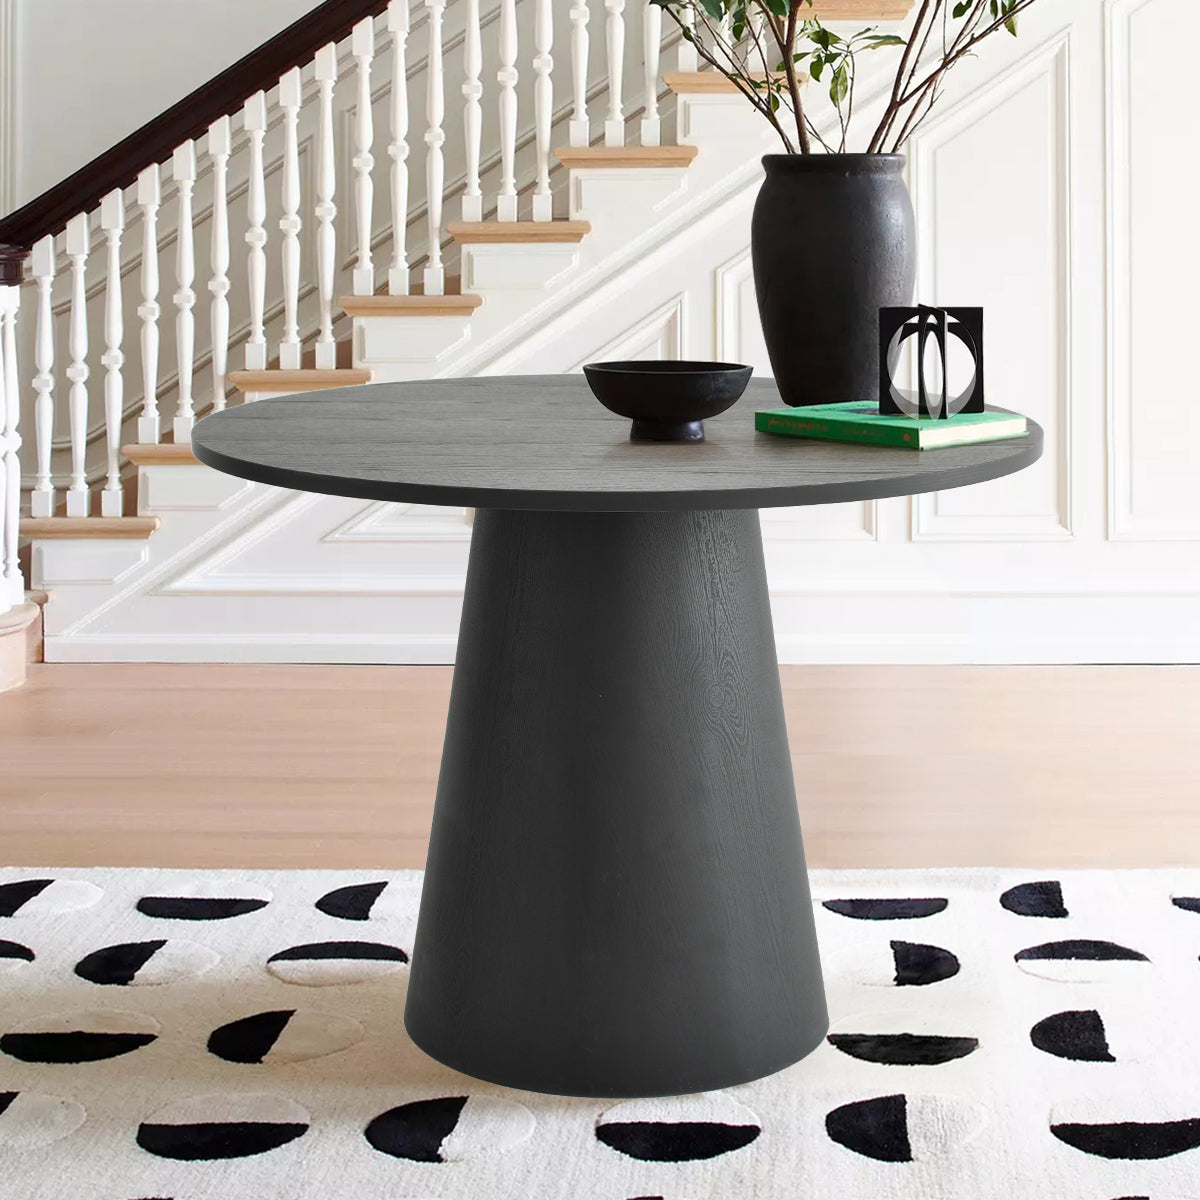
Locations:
897 325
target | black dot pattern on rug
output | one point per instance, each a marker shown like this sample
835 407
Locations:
446 1129
351 903
918 965
159 961
46 897
77 1047
117 965
250 1039
199 908
1077 1035
887 909
682 1141
80 1037
416 1131
212 1128
1042 898
284 1036
373 951
903 1049
1080 948
320 964
1187 903
14 896
14 952
875 1128
1134 1140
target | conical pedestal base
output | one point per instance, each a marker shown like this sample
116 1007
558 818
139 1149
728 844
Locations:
616 901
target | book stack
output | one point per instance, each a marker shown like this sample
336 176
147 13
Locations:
860 421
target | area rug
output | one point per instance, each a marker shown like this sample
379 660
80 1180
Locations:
997 1035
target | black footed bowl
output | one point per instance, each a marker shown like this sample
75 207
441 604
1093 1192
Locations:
667 401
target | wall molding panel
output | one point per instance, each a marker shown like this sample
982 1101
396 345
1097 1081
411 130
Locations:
1003 123
1151 408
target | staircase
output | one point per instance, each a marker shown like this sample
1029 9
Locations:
510 250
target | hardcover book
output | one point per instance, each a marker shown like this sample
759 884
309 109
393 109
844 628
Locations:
861 421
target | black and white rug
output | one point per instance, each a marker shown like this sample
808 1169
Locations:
997 1035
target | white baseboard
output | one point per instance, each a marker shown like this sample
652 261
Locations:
813 629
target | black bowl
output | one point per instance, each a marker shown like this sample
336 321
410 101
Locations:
667 401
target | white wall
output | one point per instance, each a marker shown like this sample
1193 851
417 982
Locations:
90 72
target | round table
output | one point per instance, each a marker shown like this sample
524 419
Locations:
615 901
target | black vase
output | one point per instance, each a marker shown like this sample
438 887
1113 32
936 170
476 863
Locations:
833 241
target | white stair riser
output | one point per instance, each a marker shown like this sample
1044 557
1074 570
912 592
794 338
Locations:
601 194
94 561
524 267
383 341
167 489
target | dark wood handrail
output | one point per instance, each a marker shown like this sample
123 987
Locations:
157 140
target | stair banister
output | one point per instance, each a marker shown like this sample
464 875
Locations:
12 586
157 140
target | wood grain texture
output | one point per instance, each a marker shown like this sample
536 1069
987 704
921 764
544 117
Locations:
525 232
307 379
626 156
417 305
615 817
89 527
300 766
159 454
706 83
544 442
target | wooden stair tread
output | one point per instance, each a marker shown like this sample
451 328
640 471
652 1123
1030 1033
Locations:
304 380
859 10
709 83
416 305
159 454
472 232
626 156
88 527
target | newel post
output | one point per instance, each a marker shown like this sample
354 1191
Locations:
12 586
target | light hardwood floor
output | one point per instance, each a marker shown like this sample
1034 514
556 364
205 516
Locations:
293 766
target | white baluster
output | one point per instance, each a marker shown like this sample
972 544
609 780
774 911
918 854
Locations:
112 221
220 145
652 49
435 164
290 99
326 211
42 263
506 201
10 446
254 120
78 246
580 134
183 171
363 48
543 103
686 58
398 24
614 125
472 90
149 195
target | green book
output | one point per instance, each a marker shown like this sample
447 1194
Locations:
860 421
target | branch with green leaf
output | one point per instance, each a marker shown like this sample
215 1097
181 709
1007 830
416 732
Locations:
765 48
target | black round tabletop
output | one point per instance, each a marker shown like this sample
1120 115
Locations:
544 442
